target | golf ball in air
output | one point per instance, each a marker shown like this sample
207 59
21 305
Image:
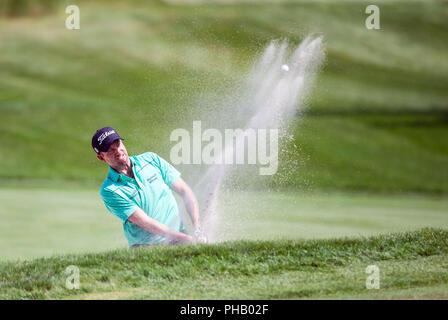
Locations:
285 67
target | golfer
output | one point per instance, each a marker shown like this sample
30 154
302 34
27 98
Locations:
137 190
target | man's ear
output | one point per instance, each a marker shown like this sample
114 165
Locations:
100 157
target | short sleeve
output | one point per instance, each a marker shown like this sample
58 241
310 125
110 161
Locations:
118 205
168 172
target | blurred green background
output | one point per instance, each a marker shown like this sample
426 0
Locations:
376 122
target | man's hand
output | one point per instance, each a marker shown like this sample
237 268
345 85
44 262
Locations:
199 235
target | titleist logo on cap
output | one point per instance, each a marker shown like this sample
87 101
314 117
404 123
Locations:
104 136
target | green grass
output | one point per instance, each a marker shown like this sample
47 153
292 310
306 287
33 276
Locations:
374 133
292 215
42 222
403 153
376 120
243 270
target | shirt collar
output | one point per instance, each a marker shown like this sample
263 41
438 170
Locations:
117 177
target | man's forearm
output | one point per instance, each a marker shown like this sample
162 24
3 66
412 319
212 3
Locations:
192 206
189 199
158 228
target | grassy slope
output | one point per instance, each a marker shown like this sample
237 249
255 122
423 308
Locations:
377 116
265 270
38 223
376 121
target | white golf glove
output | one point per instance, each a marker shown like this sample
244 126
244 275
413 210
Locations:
199 235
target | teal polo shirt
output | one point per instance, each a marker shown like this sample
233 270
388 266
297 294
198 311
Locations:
149 191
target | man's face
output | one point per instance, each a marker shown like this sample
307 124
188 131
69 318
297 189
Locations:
116 156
